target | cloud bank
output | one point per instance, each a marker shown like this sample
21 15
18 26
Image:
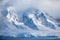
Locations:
51 7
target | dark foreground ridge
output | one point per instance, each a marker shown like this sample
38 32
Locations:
28 38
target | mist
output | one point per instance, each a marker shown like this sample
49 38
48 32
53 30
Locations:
51 7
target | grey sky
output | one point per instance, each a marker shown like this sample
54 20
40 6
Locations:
52 7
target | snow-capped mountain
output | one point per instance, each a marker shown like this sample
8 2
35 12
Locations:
33 22
39 16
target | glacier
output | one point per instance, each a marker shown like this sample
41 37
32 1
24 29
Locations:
32 23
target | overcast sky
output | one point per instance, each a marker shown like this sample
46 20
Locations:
52 7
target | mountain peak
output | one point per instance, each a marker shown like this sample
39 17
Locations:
35 22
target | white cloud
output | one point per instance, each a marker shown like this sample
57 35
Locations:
51 7
2 2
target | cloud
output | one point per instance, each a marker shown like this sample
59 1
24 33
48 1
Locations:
2 2
51 7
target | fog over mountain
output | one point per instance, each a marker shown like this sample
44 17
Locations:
28 18
51 7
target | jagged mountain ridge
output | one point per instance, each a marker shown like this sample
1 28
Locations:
38 15
29 22
33 22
